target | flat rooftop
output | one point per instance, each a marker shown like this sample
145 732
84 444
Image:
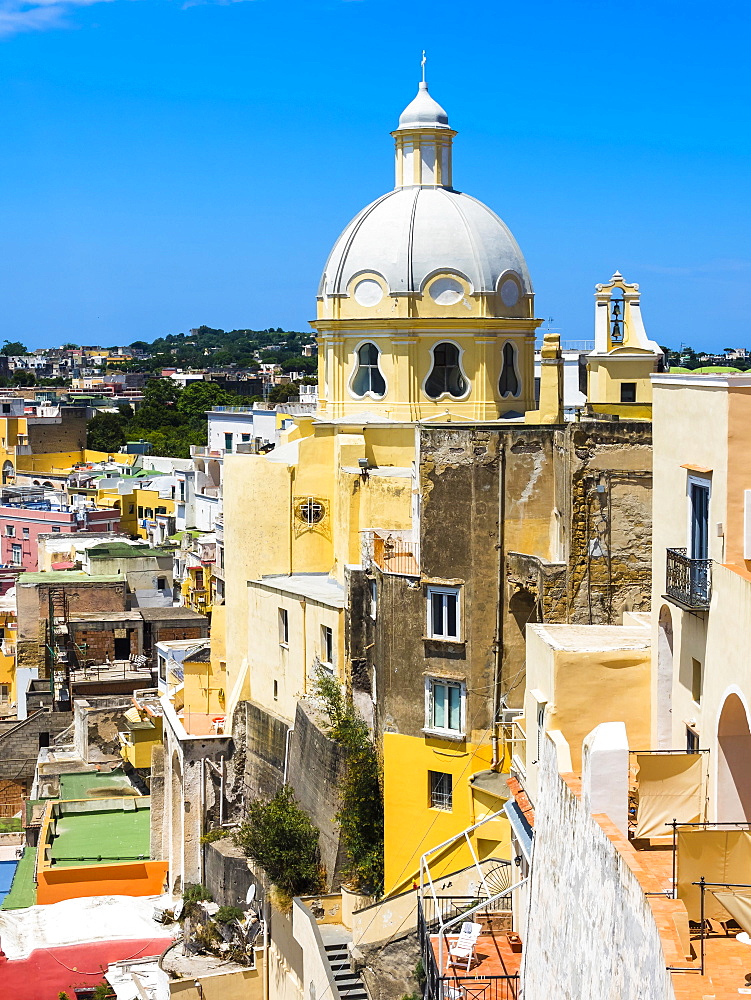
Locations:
171 614
593 638
68 576
106 836
314 586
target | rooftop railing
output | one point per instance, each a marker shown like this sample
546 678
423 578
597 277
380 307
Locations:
392 551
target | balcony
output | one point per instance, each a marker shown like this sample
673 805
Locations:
393 551
688 581
494 969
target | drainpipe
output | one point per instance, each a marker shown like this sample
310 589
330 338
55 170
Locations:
500 545
200 818
221 791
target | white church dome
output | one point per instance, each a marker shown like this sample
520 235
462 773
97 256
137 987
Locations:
424 226
413 232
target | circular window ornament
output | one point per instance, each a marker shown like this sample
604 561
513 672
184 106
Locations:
446 291
509 292
311 511
368 292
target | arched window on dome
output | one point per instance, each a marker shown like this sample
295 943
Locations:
446 378
509 383
368 379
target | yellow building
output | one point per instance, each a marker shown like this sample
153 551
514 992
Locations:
701 688
143 729
8 684
425 313
619 367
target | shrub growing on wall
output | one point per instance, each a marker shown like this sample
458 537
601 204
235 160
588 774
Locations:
360 815
280 837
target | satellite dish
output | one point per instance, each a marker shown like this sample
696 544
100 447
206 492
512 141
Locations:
250 894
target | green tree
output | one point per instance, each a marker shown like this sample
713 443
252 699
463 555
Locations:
280 837
283 393
360 814
13 348
198 397
24 377
106 432
161 392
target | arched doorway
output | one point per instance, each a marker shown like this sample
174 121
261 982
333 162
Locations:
9 473
664 693
733 756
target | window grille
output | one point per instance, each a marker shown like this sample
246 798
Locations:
441 791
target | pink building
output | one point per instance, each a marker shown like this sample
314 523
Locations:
24 517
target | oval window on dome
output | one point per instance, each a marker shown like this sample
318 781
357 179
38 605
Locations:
446 291
509 292
368 292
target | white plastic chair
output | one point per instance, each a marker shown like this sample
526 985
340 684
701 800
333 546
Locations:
464 948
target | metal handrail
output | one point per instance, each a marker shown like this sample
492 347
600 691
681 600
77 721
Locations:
688 581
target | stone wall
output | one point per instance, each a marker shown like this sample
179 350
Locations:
67 435
19 746
256 771
316 764
590 931
97 724
226 873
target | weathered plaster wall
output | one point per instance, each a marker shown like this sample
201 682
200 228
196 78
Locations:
590 932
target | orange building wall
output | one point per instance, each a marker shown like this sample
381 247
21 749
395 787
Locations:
133 878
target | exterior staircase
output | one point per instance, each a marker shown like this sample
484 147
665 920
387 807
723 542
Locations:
349 983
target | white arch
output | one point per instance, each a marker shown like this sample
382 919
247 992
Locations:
729 795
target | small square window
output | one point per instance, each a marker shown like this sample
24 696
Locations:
56 527
25 532
283 627
327 645
131 508
443 613
628 392
440 786
445 706
246 438
10 530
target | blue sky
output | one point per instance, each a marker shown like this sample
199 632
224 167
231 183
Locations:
165 164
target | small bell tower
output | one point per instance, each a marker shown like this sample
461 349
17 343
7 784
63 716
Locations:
624 357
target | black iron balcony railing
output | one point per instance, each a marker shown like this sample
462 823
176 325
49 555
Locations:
688 581
455 983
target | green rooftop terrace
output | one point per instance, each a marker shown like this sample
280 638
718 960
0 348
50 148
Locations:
95 785
100 836
68 576
23 891
121 550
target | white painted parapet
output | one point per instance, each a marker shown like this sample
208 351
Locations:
605 773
